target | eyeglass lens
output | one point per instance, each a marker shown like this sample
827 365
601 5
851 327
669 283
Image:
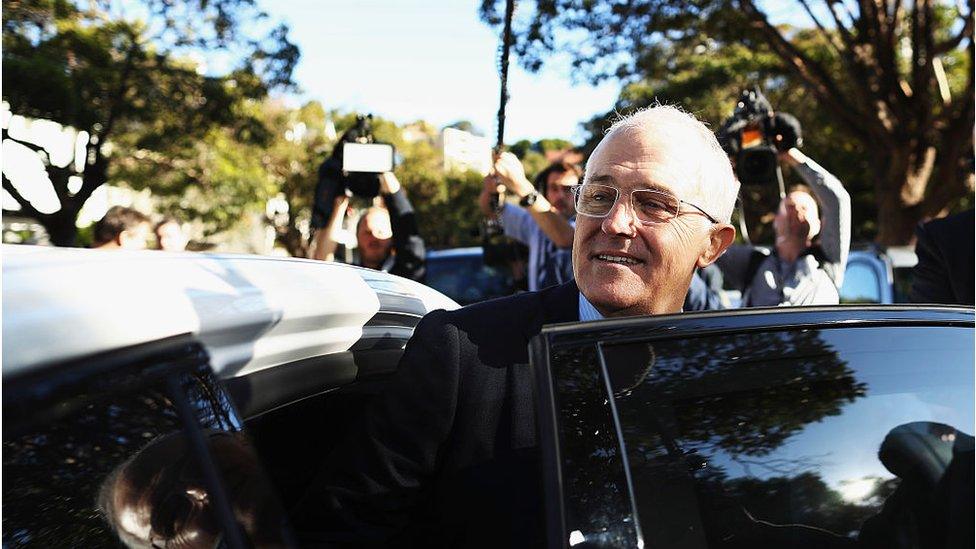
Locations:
648 205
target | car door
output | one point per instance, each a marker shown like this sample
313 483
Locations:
139 444
814 427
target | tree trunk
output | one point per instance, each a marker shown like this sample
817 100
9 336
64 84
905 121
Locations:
292 239
60 226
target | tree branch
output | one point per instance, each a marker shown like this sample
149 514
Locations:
25 206
829 38
965 32
809 71
46 156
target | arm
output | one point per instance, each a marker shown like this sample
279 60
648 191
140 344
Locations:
835 204
379 476
410 261
556 227
324 244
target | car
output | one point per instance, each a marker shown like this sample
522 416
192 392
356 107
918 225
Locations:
875 276
111 358
202 391
781 427
463 275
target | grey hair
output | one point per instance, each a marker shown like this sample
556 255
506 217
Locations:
713 184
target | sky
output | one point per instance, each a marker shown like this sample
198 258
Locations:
407 60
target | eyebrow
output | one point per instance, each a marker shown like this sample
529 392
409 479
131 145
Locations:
609 179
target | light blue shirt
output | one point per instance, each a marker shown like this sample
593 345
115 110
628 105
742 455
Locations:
548 264
587 311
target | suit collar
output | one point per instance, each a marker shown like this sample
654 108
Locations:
560 303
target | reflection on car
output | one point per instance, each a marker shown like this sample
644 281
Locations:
805 427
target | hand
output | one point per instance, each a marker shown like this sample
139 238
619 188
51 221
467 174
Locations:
389 184
508 168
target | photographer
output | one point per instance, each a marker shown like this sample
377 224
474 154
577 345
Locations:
545 217
812 224
387 238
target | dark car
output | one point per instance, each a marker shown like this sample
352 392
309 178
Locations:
802 427
463 275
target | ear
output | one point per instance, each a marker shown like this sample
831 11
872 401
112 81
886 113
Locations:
720 238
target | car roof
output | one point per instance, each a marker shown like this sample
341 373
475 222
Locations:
455 252
250 312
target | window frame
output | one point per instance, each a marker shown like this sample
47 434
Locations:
564 337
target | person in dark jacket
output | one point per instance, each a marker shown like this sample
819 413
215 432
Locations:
387 238
448 455
944 273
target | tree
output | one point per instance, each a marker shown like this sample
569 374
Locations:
894 76
129 84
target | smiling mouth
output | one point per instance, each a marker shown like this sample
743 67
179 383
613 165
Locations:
618 259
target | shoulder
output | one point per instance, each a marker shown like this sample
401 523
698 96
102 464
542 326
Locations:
953 226
516 314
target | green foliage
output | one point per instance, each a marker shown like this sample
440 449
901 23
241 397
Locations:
868 86
129 84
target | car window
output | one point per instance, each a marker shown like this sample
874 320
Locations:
145 459
798 438
466 279
861 284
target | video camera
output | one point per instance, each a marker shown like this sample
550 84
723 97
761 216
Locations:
754 134
352 169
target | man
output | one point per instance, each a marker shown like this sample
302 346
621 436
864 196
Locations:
121 229
387 239
169 235
544 219
813 236
448 455
944 273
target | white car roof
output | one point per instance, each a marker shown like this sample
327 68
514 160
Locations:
250 312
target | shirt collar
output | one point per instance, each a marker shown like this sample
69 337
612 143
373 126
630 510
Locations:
587 311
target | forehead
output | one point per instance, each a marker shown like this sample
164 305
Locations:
631 160
563 178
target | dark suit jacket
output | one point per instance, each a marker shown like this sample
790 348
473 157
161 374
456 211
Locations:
944 273
448 455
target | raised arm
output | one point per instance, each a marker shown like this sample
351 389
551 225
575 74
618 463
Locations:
835 205
410 260
556 227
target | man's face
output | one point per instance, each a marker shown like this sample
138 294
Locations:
797 217
375 238
135 238
170 237
622 266
559 193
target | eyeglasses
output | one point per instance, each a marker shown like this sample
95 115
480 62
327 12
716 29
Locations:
650 206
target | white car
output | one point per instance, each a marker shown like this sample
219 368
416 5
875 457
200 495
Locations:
106 353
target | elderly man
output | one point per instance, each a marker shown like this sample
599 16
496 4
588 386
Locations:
448 455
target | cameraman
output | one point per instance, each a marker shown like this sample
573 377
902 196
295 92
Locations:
387 238
544 220
812 228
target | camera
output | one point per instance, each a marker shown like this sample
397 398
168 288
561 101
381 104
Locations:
353 169
357 161
754 134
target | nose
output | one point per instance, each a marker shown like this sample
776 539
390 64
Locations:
620 221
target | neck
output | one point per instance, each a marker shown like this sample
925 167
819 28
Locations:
789 249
